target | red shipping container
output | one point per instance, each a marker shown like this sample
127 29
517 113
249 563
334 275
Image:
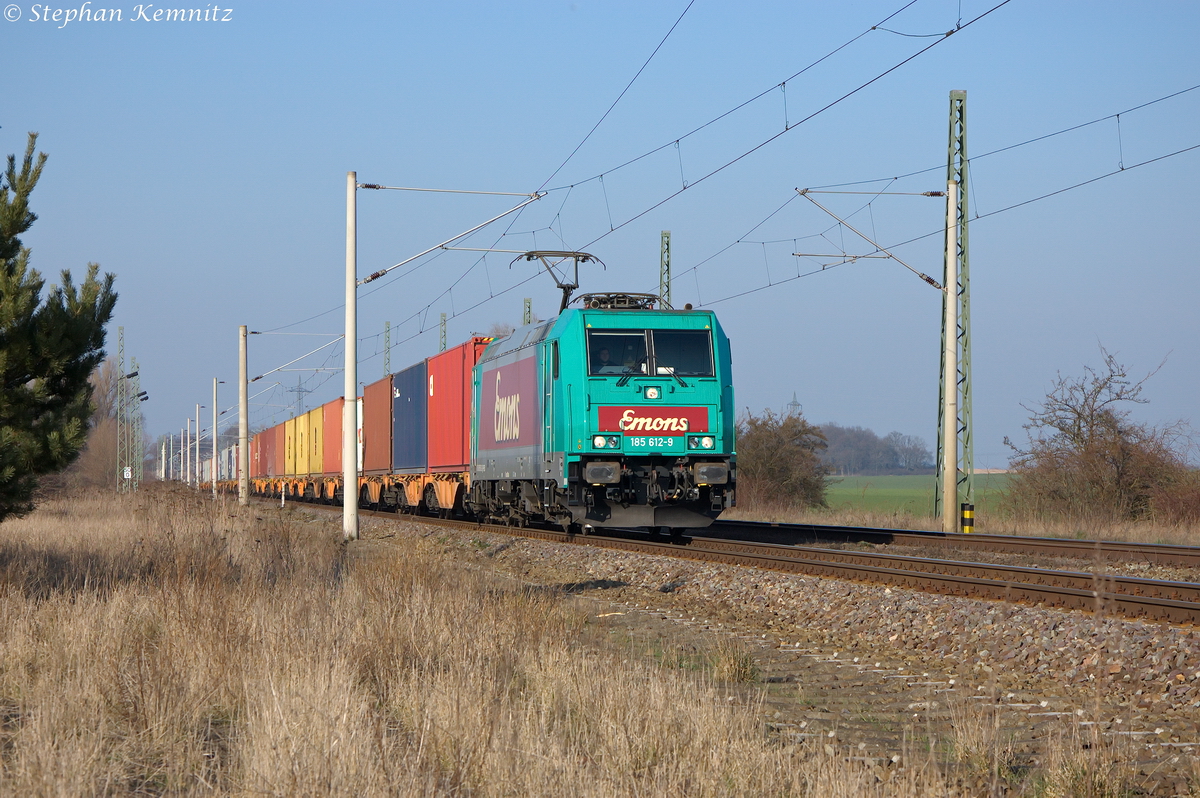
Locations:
449 413
333 436
377 427
266 452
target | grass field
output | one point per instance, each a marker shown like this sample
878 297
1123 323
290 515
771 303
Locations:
906 494
906 502
165 644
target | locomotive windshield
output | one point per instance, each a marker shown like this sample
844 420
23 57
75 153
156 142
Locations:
671 352
685 353
616 351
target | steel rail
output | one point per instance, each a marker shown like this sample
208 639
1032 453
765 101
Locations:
1158 553
1159 600
1154 599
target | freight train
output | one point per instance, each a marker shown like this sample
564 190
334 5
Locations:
619 413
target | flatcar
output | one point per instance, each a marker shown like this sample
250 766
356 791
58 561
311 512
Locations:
617 413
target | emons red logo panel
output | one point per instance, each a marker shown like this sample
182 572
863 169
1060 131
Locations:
663 420
509 411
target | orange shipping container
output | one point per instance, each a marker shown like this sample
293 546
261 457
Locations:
255 456
278 451
377 427
333 436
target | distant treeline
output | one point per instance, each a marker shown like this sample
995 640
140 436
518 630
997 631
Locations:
857 450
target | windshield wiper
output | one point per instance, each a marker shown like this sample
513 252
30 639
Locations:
634 371
671 371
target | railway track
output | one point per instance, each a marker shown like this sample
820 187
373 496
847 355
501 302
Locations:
1153 599
799 534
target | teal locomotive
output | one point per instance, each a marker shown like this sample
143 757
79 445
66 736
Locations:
614 414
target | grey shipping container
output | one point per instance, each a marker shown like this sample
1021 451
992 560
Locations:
409 420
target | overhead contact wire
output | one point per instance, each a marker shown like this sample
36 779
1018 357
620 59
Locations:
942 231
742 105
819 111
619 96
514 219
1027 142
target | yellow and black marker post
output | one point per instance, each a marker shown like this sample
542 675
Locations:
968 517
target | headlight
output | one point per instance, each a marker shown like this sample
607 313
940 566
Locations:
599 441
602 473
652 392
606 441
701 442
711 473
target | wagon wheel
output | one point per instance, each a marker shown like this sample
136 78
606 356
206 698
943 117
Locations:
432 505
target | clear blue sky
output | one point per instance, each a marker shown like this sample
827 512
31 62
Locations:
204 163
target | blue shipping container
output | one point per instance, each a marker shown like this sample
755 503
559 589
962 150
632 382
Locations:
409 420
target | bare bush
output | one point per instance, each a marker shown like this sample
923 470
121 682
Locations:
1085 458
779 461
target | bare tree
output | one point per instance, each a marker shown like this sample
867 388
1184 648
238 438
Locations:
104 390
858 450
500 329
1085 457
503 329
909 452
96 465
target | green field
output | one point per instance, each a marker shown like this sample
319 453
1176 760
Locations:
900 494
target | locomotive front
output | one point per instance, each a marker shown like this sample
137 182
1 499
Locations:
614 415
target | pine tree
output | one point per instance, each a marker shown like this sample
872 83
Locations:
48 348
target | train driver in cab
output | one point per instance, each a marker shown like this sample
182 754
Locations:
602 363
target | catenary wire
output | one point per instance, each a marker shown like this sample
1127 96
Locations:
742 105
1006 148
619 96
814 114
1024 143
852 259
514 219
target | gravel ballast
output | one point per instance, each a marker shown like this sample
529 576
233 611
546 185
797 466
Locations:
1136 682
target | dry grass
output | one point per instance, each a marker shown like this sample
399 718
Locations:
165 644
1078 761
170 645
